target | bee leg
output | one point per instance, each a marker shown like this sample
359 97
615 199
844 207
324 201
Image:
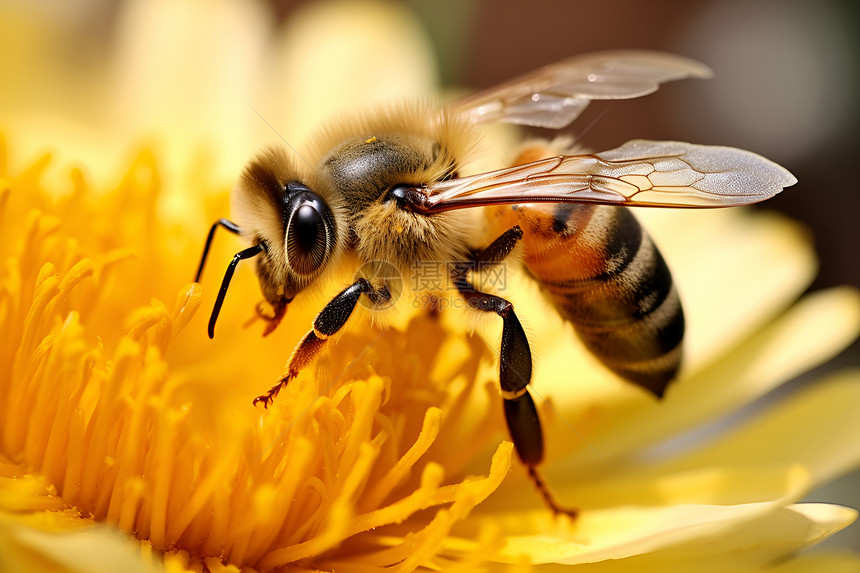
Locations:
230 226
515 371
500 248
272 313
525 429
330 319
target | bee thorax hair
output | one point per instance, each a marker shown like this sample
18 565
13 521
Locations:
384 231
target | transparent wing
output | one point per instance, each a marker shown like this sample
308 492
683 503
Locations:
639 173
553 96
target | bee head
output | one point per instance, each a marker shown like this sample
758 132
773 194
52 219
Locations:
288 212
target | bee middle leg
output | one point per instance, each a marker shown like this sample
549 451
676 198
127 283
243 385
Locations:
499 248
515 364
330 319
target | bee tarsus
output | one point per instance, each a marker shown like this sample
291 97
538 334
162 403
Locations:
548 497
269 397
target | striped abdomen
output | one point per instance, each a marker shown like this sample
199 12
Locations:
603 273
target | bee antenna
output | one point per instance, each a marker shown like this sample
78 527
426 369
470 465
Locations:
227 224
228 275
287 143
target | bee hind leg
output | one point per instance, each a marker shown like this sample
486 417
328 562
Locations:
330 319
515 370
525 429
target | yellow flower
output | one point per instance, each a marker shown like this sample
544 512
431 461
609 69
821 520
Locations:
121 412
119 419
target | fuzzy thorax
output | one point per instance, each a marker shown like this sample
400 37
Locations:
386 232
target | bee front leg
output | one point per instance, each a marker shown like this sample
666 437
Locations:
330 319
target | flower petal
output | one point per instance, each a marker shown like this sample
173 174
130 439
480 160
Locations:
187 92
57 542
652 537
813 433
818 562
817 427
735 270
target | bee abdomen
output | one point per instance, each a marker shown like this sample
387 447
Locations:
604 274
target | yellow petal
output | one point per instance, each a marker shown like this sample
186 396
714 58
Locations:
78 547
735 270
812 432
698 537
819 562
187 93
654 485
817 427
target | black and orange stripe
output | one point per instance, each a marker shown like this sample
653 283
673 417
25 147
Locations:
603 273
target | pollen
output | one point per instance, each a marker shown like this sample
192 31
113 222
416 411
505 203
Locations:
370 140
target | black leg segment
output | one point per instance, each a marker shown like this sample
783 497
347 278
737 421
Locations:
228 275
524 426
527 435
335 314
515 365
501 247
227 224
515 357
495 252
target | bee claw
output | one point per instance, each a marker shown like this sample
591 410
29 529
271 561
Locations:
271 325
271 314
269 397
548 498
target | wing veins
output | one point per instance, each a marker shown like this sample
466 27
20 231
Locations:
678 174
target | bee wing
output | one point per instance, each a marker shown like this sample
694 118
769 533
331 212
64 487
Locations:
553 96
639 173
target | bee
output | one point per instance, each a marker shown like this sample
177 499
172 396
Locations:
387 188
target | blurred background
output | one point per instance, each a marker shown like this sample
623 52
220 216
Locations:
786 85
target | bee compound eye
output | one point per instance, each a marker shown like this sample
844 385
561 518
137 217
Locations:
307 227
309 232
